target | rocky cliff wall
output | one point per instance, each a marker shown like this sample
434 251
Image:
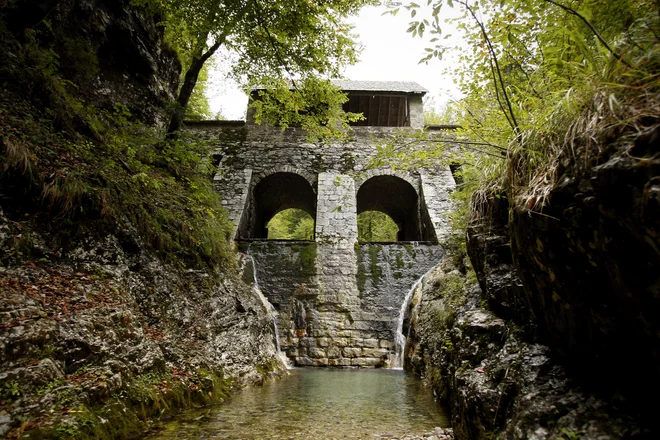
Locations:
589 260
100 340
111 313
495 383
111 50
568 261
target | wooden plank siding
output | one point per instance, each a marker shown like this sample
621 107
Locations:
379 110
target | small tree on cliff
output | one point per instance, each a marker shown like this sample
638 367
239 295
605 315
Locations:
274 39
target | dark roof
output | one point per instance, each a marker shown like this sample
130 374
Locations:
380 86
376 86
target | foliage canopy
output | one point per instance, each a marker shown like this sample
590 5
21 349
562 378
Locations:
291 224
375 226
278 42
532 69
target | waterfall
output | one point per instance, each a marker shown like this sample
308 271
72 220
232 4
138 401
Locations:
399 338
270 311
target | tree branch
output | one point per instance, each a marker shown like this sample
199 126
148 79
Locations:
499 79
593 29
271 41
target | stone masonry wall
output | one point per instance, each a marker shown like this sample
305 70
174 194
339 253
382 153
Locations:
251 153
338 306
338 301
386 272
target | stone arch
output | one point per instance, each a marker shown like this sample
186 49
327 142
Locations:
399 198
272 192
412 179
311 178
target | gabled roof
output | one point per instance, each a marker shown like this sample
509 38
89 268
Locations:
376 86
380 86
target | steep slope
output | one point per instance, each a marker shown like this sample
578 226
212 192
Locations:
121 298
560 338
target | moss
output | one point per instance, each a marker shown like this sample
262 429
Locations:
319 164
307 258
233 137
376 271
361 269
265 369
347 161
91 169
78 59
399 261
447 345
411 249
129 412
233 143
452 288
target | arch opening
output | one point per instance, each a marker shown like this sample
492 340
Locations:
376 226
273 194
398 199
291 224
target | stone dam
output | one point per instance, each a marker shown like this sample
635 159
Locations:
338 300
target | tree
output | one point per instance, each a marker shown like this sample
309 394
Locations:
292 39
375 226
291 224
198 107
532 68
526 54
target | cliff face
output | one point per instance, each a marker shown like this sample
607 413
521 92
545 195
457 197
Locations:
113 312
112 51
590 260
560 339
494 382
105 337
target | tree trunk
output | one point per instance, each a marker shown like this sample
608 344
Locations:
187 88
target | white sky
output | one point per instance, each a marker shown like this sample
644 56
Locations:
389 54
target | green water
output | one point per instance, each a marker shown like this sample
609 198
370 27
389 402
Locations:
315 403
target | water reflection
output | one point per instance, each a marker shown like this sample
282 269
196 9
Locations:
313 403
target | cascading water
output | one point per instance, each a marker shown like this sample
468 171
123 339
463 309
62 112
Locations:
270 311
399 338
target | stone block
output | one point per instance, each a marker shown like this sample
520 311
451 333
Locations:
369 343
323 342
352 352
307 342
339 362
367 362
322 362
374 352
362 325
315 352
303 361
340 342
384 343
334 352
